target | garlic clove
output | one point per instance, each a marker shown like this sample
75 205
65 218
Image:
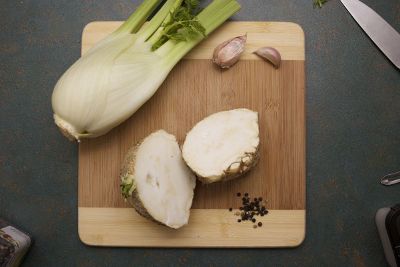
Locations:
228 53
270 54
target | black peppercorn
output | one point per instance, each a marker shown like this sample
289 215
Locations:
251 207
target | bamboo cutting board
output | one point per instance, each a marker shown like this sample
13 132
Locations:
194 90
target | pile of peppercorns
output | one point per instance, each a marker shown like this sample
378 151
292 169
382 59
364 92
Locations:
250 209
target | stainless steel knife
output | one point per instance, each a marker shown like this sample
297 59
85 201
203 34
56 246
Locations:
383 35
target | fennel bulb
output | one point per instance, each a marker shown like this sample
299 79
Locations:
118 75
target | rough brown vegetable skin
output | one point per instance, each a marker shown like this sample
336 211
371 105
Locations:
128 168
244 168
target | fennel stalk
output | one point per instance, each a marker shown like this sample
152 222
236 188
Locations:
119 74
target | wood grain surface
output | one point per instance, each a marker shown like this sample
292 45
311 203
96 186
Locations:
287 37
206 228
193 90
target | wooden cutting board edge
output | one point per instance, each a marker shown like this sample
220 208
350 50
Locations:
92 221
290 49
207 228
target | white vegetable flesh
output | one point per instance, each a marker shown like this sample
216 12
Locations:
125 81
222 144
117 76
163 182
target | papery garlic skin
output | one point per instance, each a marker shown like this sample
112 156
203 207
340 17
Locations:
270 54
228 53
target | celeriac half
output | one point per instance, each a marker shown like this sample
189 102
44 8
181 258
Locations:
223 146
156 181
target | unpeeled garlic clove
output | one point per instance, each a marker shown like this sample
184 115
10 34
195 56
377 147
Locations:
228 53
270 54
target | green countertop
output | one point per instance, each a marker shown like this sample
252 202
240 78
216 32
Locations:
353 136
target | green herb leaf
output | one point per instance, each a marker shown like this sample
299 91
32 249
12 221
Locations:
126 186
192 5
319 3
182 26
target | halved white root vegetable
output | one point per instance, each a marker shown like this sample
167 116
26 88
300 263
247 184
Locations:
223 146
157 182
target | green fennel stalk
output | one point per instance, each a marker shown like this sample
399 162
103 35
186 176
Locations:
120 73
319 3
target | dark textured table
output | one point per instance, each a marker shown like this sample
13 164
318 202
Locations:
353 136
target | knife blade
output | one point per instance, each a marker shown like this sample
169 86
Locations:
380 32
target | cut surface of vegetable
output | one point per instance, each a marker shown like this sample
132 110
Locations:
223 146
156 181
119 74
